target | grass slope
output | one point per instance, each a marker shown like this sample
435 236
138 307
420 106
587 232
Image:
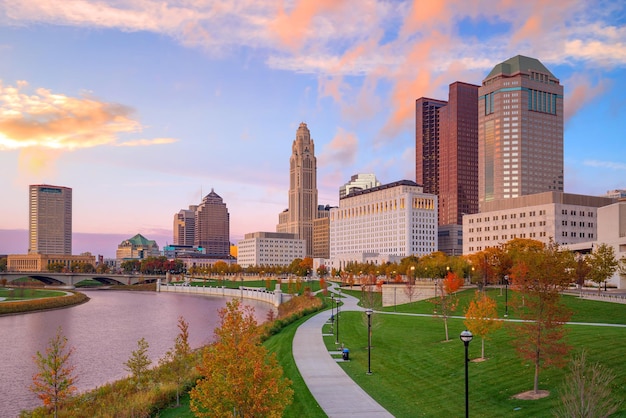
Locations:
416 373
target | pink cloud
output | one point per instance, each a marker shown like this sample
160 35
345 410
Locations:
341 150
583 92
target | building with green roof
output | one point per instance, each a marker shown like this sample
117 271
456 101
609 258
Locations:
520 131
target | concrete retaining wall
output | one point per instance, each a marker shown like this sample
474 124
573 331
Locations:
274 297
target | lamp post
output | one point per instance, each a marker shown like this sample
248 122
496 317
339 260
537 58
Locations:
337 334
332 313
506 296
369 340
466 337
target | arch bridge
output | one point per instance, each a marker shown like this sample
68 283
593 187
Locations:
71 279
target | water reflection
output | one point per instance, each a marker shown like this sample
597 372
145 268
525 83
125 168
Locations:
104 332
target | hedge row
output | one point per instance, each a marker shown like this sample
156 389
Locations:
42 304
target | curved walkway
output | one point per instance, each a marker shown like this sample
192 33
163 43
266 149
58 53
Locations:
331 387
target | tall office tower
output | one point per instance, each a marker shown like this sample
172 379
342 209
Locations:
427 143
520 131
185 226
298 218
50 220
212 223
358 182
447 158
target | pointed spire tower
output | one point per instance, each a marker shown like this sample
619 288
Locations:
298 218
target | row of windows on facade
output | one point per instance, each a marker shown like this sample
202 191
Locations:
531 213
512 226
390 250
391 221
540 234
348 230
374 208
373 242
506 216
506 237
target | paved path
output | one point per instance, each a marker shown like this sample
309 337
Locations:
333 389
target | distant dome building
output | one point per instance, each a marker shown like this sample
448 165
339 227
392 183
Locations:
137 247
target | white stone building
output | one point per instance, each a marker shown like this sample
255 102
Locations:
270 249
383 223
564 217
612 232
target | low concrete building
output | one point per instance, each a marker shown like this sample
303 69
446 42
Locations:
566 218
40 262
612 232
270 249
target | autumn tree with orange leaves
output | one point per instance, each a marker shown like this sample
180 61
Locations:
54 382
539 274
481 318
447 301
239 378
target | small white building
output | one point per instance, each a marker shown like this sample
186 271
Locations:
612 232
566 218
383 223
269 249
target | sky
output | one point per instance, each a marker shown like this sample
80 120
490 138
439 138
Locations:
143 106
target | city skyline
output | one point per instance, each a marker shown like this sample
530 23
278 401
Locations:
143 111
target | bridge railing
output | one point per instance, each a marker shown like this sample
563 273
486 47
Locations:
274 297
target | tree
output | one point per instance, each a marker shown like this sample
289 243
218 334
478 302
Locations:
3 264
409 287
239 378
54 382
586 391
368 294
603 264
139 362
102 268
178 359
322 270
538 276
56 267
489 266
581 271
130 266
481 318
447 302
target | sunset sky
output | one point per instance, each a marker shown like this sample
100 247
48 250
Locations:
143 106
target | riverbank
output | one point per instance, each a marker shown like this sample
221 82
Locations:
121 397
71 298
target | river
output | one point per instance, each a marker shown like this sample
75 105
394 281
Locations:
104 332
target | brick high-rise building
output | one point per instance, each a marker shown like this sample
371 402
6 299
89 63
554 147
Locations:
50 220
212 226
185 226
427 143
520 131
302 210
446 144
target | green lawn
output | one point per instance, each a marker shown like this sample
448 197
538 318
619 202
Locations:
21 293
416 373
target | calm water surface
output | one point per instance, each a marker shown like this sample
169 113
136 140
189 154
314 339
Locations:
104 332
